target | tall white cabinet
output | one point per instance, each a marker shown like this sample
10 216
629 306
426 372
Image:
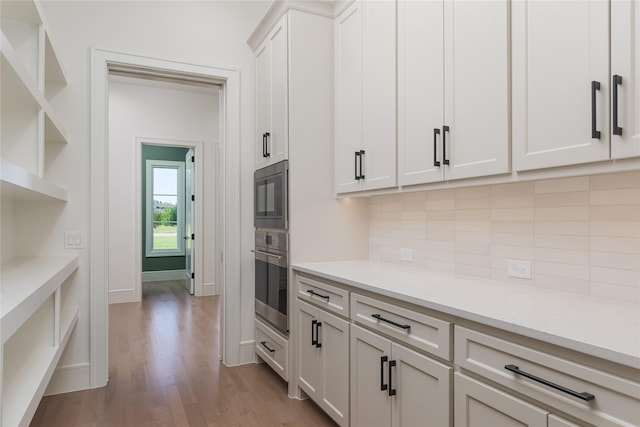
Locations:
37 315
272 138
453 90
365 105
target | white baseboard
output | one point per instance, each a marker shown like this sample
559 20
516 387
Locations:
122 295
69 378
158 276
209 289
247 352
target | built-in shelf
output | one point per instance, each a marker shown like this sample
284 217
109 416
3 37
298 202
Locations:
20 184
21 397
53 69
26 285
23 90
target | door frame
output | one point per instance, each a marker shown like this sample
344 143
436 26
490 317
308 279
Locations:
228 233
198 149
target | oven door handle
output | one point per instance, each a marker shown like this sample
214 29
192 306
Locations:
267 254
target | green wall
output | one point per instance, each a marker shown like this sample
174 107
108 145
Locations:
155 152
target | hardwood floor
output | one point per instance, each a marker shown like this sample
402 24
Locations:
164 370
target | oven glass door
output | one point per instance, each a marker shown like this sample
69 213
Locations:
269 198
271 289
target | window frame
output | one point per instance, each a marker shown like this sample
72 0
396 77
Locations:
166 164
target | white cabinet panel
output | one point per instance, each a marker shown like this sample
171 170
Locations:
420 91
477 404
272 98
309 375
477 99
625 63
559 49
365 144
453 90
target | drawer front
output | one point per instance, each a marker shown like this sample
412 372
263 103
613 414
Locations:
273 349
323 295
534 373
404 325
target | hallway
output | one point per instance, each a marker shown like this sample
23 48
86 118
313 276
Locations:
164 371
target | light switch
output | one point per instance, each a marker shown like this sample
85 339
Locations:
73 239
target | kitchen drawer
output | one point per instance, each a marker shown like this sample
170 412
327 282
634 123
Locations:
273 349
323 295
403 325
616 400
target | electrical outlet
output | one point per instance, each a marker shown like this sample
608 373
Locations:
73 239
519 268
406 255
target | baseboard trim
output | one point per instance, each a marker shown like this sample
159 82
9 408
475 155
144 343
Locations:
69 378
158 276
122 295
209 289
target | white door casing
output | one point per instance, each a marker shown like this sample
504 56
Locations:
189 222
229 226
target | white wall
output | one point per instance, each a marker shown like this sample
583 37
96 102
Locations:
156 110
209 33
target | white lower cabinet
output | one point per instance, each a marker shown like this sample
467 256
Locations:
323 370
393 385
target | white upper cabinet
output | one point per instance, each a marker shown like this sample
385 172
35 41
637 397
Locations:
272 97
625 70
365 140
561 83
453 90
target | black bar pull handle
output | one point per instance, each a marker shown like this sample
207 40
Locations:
392 391
436 132
314 293
595 133
264 344
268 137
318 343
355 166
617 81
583 395
391 322
314 336
383 360
445 129
264 145
361 162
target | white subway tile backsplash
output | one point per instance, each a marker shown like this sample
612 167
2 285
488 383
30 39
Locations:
581 234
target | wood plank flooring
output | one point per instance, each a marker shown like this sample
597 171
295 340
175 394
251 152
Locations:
164 370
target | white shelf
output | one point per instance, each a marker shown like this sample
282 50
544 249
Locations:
26 284
24 91
21 397
20 184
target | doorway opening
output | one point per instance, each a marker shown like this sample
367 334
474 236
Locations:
221 181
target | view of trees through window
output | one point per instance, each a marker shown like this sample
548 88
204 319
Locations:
165 208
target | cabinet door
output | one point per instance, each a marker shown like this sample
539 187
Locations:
278 140
310 355
348 138
559 48
625 62
423 390
477 404
263 101
379 94
334 338
477 98
272 98
370 403
420 91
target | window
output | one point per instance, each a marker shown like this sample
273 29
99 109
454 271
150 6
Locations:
165 208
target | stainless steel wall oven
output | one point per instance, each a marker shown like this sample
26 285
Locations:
270 196
272 276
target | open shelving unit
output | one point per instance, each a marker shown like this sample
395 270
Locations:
36 320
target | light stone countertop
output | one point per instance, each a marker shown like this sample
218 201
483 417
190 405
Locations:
595 326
